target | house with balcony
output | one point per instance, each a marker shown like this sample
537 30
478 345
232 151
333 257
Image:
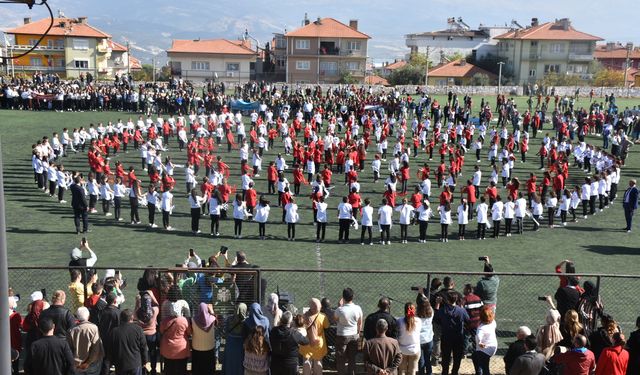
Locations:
121 61
72 47
614 56
556 47
325 50
220 60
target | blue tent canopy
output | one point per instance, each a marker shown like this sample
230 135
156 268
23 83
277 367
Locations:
241 105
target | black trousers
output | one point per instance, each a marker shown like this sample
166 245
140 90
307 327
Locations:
482 228
165 219
403 232
291 230
385 230
444 231
262 229
215 223
237 227
195 219
366 229
321 228
451 346
93 199
343 233
61 191
152 212
81 214
496 228
117 203
423 229
551 212
507 226
106 204
592 204
461 230
133 202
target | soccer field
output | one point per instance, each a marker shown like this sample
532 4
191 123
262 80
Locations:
41 232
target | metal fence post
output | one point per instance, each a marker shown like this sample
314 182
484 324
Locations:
597 287
5 347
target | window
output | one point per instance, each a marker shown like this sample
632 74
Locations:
552 68
233 67
58 63
303 65
534 43
353 65
281 62
81 64
80 43
36 61
556 48
328 68
532 73
59 43
32 42
303 44
280 42
353 45
199 65
577 69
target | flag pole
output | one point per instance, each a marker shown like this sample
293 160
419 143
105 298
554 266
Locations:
5 341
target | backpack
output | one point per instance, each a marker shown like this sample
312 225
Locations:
145 311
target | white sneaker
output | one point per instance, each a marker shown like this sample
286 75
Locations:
63 201
93 211
154 226
108 214
120 219
169 228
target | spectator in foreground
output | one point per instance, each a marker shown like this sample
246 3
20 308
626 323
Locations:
517 348
203 340
425 314
85 341
256 353
487 288
486 341
234 331
312 354
577 361
614 359
381 355
61 317
529 363
285 343
128 346
349 317
50 355
174 344
633 347
383 313
451 319
549 334
409 327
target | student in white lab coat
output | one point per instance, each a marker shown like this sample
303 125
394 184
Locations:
291 217
463 218
482 212
366 221
406 213
424 214
261 216
445 220
321 219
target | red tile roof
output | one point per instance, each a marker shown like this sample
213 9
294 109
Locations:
396 65
134 63
115 46
458 69
549 31
617 52
214 46
375 80
327 28
61 27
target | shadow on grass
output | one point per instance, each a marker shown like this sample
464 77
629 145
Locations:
613 250
40 231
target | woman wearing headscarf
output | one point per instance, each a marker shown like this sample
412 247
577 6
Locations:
30 326
203 341
234 352
272 311
312 354
549 334
257 318
284 347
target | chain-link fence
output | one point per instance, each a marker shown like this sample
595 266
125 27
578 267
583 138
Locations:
517 304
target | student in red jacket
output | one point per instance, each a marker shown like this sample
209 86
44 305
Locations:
614 359
272 177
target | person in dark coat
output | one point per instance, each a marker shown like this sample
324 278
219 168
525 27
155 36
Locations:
633 347
284 347
61 317
567 298
79 205
370 322
516 348
529 363
50 355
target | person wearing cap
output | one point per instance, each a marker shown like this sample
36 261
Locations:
59 315
86 344
487 287
15 321
78 259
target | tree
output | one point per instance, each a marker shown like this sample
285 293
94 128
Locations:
145 74
480 79
609 78
455 56
419 60
347 78
407 75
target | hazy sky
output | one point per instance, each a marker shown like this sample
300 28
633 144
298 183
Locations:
151 24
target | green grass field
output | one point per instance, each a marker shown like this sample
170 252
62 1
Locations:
40 232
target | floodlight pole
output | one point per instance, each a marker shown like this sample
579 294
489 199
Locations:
500 77
426 72
5 341
629 47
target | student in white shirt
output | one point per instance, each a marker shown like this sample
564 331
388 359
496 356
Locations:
239 213
445 219
509 214
406 213
551 204
385 213
195 202
565 205
366 221
166 206
375 166
424 214
152 203
291 218
585 193
63 183
520 211
215 202
52 174
463 218
536 211
190 177
119 191
261 216
482 212
497 211
345 214
575 202
94 191
321 219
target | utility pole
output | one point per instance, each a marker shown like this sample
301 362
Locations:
128 60
500 77
626 66
153 62
426 72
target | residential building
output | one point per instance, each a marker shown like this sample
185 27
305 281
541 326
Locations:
215 59
279 54
72 47
375 80
459 73
457 38
388 68
614 56
324 50
541 49
121 62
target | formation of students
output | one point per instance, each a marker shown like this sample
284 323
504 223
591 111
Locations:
317 142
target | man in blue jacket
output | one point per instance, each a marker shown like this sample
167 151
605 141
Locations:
452 319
